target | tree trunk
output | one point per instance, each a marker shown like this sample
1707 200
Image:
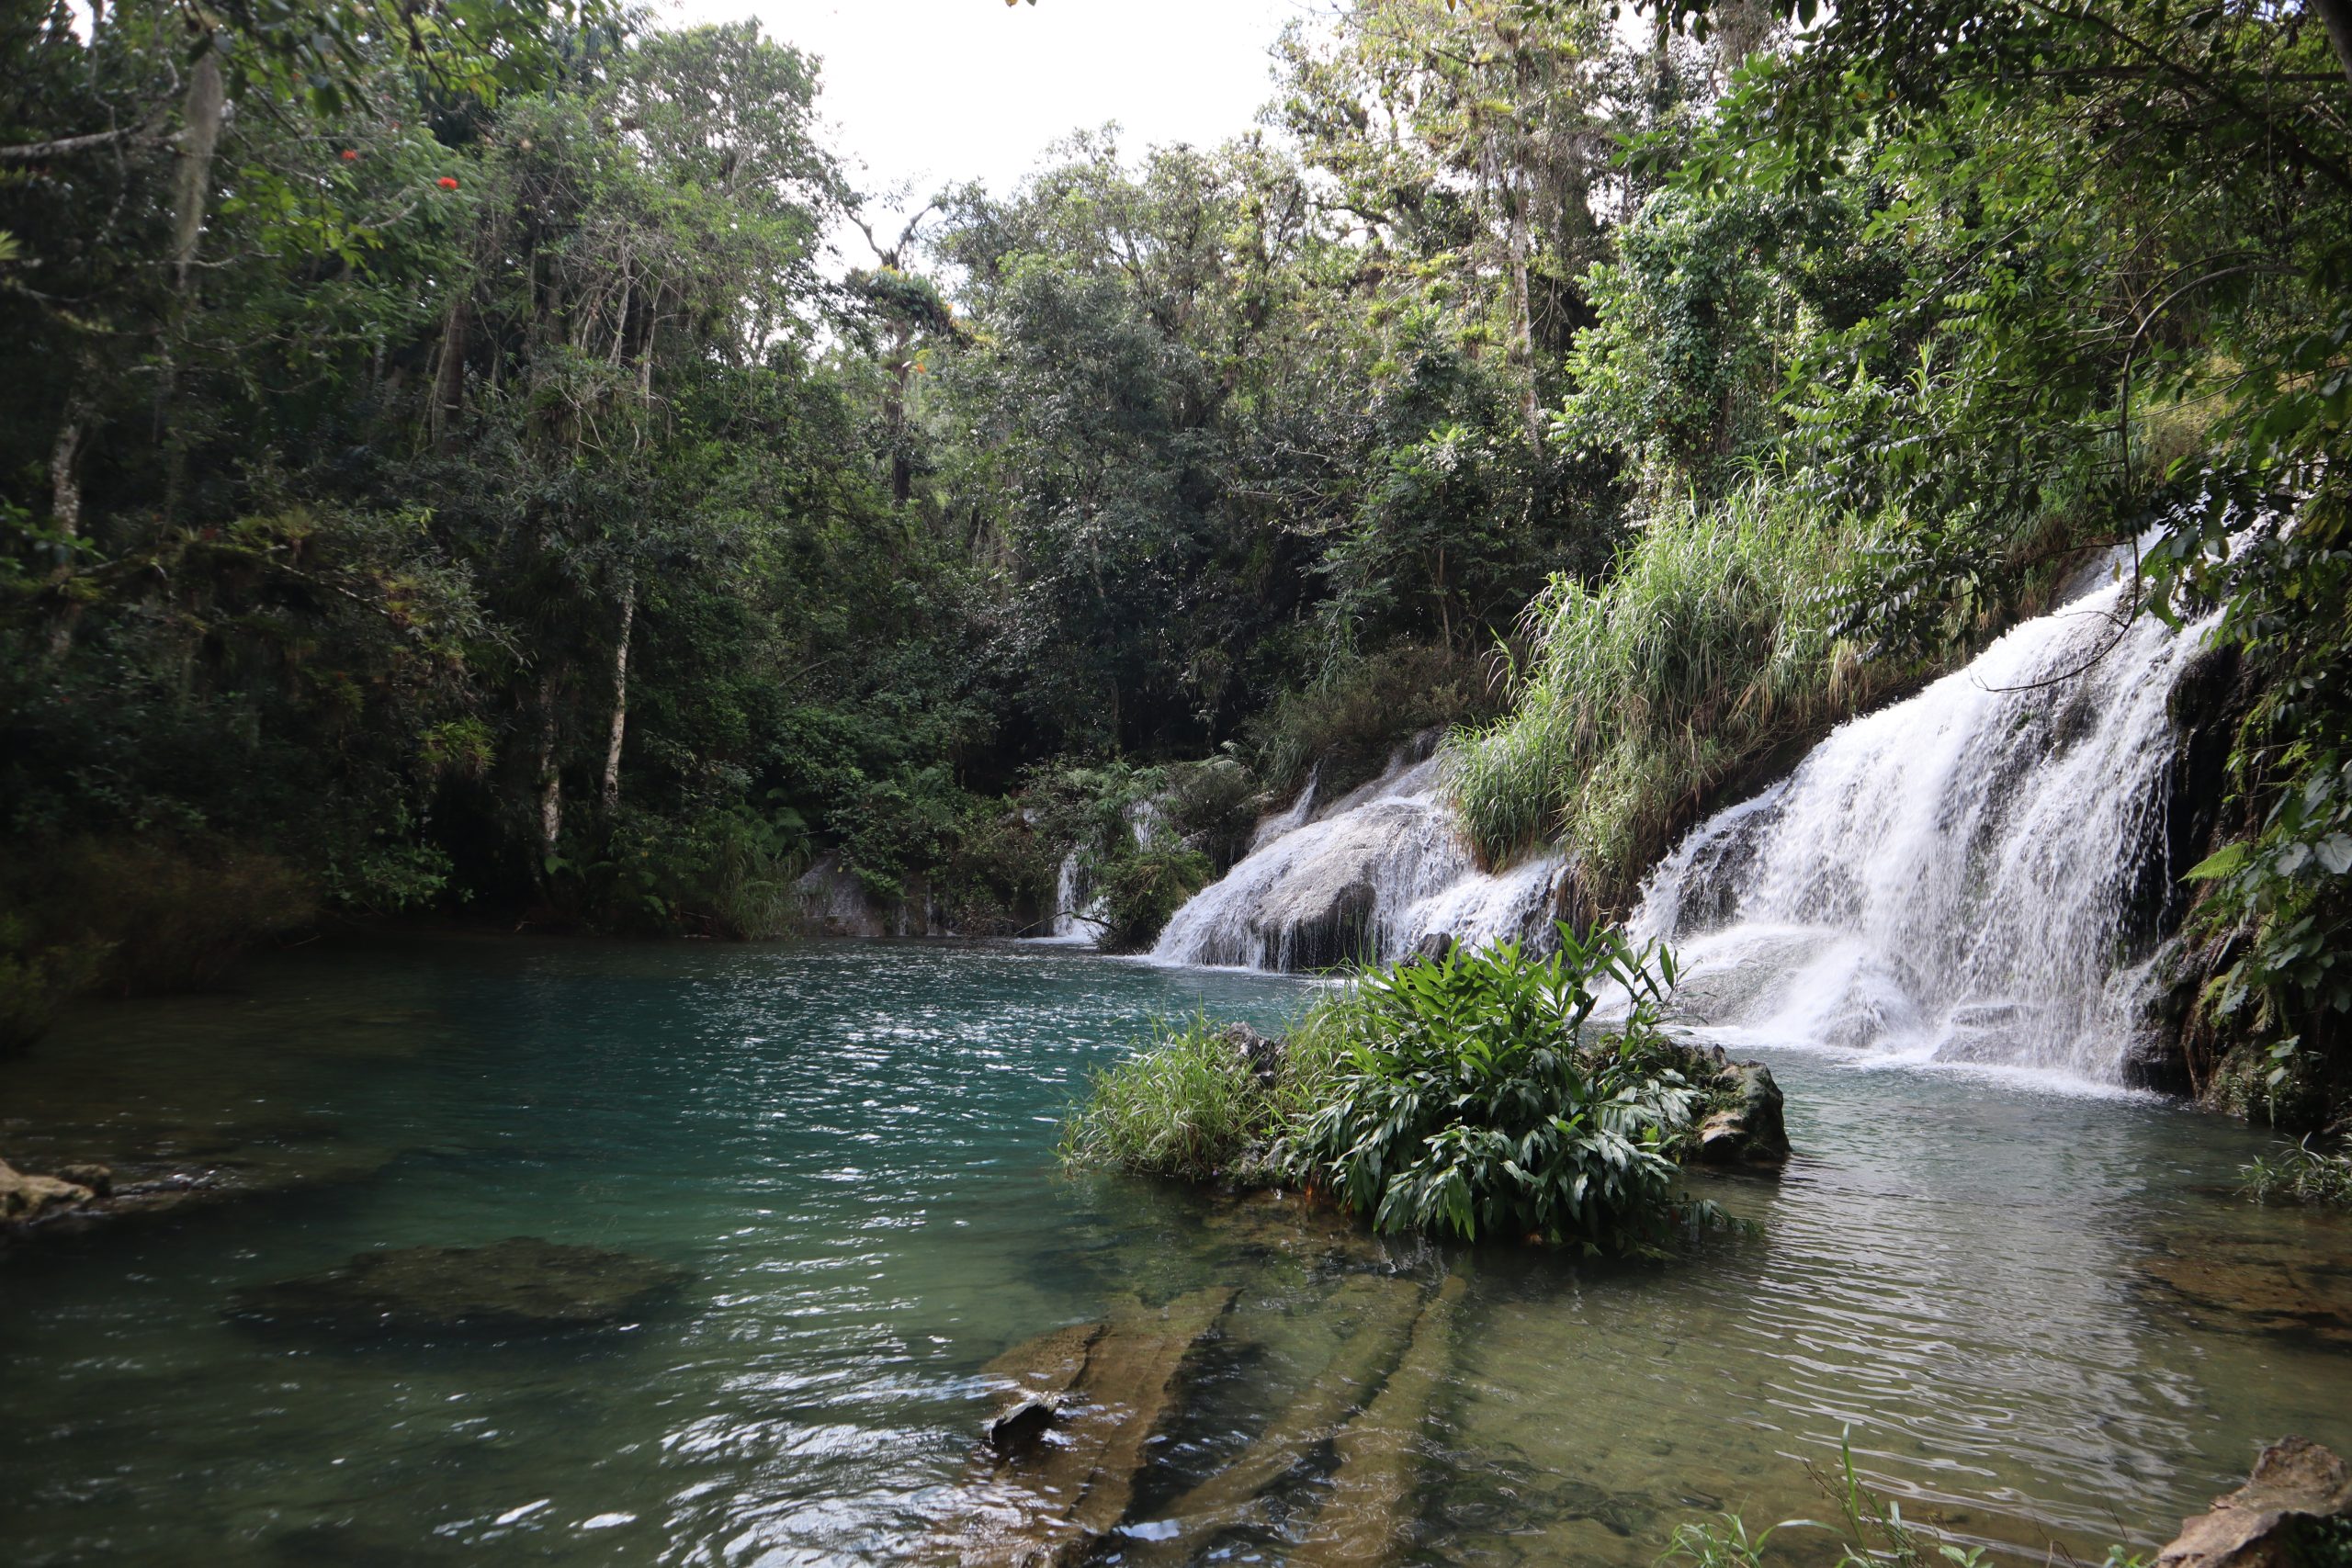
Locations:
66 512
894 414
1523 308
199 134
611 796
2337 16
449 376
64 481
1739 30
550 777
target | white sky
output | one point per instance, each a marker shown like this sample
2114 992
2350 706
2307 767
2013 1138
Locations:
927 93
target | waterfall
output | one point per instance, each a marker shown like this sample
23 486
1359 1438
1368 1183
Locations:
1373 874
1078 908
1973 875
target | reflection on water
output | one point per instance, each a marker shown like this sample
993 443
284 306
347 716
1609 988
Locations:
2038 1318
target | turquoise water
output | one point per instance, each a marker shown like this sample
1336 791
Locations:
2036 1317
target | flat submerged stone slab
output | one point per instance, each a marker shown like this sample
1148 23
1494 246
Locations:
520 1284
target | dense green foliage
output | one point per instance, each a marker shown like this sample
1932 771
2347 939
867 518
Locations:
1472 1096
1192 1104
446 464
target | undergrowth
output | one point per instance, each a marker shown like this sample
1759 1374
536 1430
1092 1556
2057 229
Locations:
1709 648
2301 1175
1195 1106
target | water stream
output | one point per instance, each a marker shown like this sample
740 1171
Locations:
2039 1316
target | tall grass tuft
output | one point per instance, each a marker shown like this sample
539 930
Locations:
1192 1104
1709 648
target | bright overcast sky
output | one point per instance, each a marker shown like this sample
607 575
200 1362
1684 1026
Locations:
927 93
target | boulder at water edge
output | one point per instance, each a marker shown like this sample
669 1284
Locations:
518 1284
23 1197
2295 1511
1743 1125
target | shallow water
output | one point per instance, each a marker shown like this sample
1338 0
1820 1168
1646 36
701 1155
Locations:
2036 1317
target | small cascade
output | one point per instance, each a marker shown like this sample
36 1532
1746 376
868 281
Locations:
1078 908
1371 875
1974 875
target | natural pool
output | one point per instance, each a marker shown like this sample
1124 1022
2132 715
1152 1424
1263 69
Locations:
2040 1315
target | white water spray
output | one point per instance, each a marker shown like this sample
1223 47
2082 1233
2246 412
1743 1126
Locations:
1966 876
1371 875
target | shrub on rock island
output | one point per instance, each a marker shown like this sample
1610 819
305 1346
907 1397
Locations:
1476 1096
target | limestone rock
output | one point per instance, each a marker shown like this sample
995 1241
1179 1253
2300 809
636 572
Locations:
1021 1427
97 1178
521 1283
2294 1511
23 1197
1744 1126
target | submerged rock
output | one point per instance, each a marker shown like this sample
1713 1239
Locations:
521 1283
1111 1388
2296 1509
2238 1283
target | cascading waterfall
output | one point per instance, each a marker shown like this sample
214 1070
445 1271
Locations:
1373 874
1974 875
1971 875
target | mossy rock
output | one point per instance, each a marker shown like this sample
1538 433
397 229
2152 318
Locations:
520 1285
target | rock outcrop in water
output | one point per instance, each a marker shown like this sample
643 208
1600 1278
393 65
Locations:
1106 1389
521 1284
2295 1511
25 1198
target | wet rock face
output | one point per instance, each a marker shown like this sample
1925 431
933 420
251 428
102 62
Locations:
23 1197
1744 1126
2295 1511
521 1284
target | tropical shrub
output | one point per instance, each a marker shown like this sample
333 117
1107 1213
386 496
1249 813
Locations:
1476 1096
1359 710
1143 885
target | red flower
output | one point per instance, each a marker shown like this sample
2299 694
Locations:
447 183
349 156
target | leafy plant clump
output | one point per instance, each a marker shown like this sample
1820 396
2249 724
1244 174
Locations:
1476 1096
1708 651
1472 1096
2301 1175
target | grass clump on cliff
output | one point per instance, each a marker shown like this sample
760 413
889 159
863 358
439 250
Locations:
1469 1096
1710 647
